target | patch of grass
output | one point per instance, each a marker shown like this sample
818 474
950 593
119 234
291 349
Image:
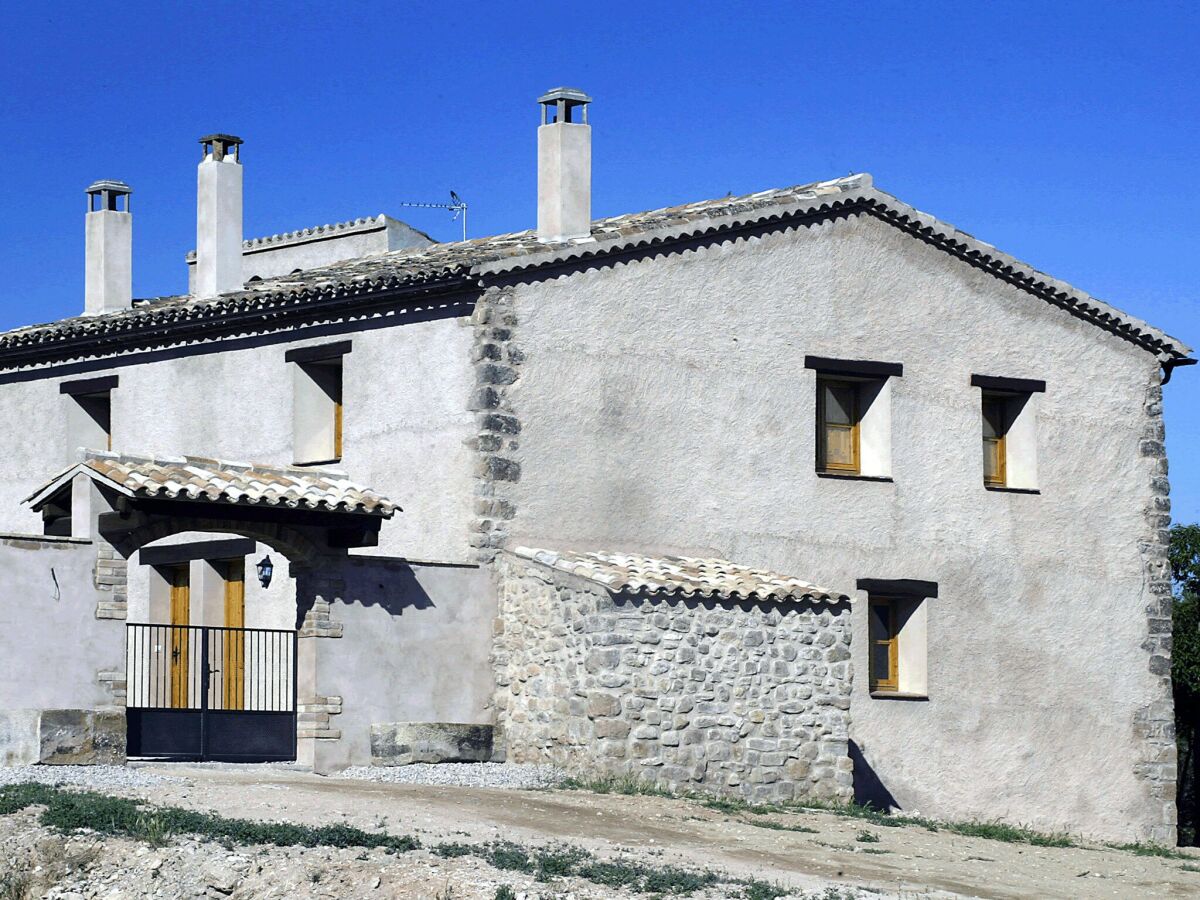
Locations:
669 880
611 874
866 837
559 862
629 785
764 890
69 811
779 826
507 856
875 850
1160 850
153 830
1190 868
16 797
547 863
1012 834
504 892
454 850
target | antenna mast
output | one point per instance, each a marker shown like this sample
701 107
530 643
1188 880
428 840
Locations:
457 206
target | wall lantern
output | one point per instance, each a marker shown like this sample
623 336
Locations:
265 570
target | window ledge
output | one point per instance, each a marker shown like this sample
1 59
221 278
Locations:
847 476
897 695
317 462
1002 489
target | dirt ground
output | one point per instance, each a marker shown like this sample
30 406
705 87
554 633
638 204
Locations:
907 861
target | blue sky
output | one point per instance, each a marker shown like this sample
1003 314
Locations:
1066 134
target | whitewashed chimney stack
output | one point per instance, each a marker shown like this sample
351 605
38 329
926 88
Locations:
108 250
564 166
219 216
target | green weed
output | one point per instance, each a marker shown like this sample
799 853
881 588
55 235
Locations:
762 890
1140 849
72 810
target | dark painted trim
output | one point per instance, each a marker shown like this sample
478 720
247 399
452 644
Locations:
317 354
179 553
1170 365
1001 489
854 367
1016 385
88 386
906 587
897 695
886 479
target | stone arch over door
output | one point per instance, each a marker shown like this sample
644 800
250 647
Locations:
299 548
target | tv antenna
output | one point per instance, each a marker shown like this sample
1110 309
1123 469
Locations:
457 205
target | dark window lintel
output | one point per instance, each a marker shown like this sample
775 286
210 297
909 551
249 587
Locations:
861 367
1012 385
903 587
320 353
88 386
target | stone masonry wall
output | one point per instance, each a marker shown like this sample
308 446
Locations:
734 698
1154 724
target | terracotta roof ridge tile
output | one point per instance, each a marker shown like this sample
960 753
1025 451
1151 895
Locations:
679 575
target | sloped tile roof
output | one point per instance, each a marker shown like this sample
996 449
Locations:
215 481
337 288
679 575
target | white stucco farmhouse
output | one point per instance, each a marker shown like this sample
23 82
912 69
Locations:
802 493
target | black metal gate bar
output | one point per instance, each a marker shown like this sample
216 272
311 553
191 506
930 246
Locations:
206 692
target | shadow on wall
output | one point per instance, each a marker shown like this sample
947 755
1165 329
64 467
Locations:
386 582
868 789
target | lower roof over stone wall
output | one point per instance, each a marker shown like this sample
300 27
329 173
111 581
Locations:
684 576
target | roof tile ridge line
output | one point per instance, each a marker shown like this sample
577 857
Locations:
1044 282
152 315
315 230
311 231
789 205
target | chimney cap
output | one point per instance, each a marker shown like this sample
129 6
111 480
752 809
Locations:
573 96
117 187
221 145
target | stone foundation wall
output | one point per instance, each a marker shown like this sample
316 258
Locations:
735 698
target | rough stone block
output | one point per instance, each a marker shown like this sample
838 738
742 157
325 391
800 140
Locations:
403 743
81 737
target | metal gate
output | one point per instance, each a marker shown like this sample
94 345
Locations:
203 693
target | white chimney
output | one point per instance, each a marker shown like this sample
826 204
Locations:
108 279
564 166
219 216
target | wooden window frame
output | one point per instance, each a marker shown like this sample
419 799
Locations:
1000 478
823 464
890 684
338 416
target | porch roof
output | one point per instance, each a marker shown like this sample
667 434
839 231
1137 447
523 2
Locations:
198 479
681 575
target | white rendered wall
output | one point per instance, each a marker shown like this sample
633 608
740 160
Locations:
665 408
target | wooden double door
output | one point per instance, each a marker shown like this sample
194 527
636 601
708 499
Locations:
233 646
